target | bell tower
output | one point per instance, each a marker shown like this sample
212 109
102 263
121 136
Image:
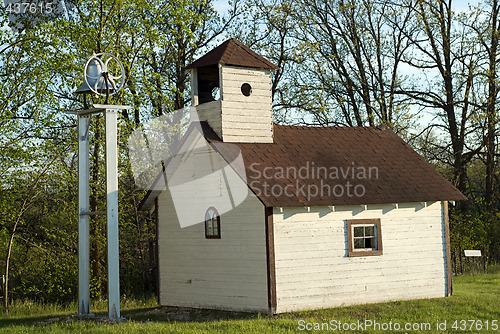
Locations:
231 90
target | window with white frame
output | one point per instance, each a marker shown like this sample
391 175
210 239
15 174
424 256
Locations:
364 237
212 224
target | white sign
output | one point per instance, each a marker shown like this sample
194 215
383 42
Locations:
472 252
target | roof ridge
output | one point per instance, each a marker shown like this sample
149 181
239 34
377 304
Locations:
228 50
227 53
225 48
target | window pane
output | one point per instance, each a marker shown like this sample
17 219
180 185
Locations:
370 243
369 231
215 229
209 228
359 243
358 231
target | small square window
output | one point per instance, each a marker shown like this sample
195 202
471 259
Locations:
364 237
212 224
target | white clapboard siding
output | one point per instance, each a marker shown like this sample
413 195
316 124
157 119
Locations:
256 119
246 118
200 272
258 82
256 132
234 91
211 112
250 128
313 269
259 105
245 71
246 112
239 118
226 273
245 138
298 275
244 302
381 287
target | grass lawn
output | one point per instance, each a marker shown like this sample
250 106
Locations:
476 298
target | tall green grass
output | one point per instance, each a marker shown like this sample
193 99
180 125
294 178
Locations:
476 297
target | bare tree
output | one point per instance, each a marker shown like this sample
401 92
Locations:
350 57
488 32
438 47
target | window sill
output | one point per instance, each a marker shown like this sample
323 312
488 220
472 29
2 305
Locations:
365 253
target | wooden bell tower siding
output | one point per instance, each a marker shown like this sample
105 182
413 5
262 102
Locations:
233 67
286 251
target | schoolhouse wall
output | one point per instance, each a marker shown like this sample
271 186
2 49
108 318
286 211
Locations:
226 273
313 269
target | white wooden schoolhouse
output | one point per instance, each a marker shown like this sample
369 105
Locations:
330 216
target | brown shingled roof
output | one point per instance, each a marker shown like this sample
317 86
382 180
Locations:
233 52
398 173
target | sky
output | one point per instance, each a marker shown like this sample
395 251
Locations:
222 6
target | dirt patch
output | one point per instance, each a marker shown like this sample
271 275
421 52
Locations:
76 317
162 313
167 313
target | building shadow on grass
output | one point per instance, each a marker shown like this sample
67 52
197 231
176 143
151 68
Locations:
6 321
183 314
147 314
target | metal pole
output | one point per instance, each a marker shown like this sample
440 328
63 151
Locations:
112 214
83 220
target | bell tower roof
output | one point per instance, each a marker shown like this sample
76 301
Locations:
233 52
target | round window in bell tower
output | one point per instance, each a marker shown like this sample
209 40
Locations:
216 93
246 89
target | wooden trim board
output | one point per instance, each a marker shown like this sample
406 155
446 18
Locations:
156 217
271 267
449 282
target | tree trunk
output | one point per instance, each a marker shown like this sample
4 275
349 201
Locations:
7 263
491 109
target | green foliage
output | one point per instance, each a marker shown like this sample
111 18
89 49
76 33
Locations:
42 263
40 68
474 230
